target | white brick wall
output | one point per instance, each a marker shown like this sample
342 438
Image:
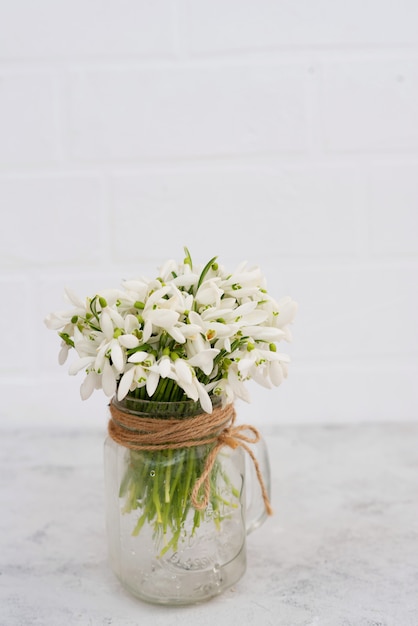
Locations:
189 112
284 133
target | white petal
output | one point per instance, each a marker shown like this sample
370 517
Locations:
276 373
147 331
100 358
183 371
117 355
88 386
246 308
265 333
138 357
261 376
152 383
108 380
131 323
54 321
74 299
195 319
125 383
165 367
238 387
204 360
245 364
111 295
209 293
287 310
106 325
205 401
256 317
157 295
63 353
80 364
128 341
189 389
176 333
116 318
166 318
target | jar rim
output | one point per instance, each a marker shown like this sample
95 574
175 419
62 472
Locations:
162 408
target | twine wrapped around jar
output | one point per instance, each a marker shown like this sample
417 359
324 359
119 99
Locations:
139 432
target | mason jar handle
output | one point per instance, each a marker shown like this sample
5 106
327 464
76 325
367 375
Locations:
256 509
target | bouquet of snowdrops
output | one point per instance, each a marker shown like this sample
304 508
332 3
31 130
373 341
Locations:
193 333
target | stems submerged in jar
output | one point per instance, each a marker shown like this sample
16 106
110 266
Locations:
158 484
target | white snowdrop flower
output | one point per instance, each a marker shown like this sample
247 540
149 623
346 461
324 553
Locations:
237 384
91 382
204 360
196 344
126 381
200 331
63 353
204 398
109 378
161 319
286 312
209 294
277 374
81 364
135 375
224 390
135 290
56 321
263 333
211 329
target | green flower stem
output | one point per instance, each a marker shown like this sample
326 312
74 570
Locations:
167 498
159 484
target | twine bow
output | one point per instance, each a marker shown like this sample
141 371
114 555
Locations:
232 436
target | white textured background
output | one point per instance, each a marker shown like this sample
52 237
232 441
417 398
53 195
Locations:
283 132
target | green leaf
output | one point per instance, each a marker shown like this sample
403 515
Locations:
205 271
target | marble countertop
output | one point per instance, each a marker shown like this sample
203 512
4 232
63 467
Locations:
341 549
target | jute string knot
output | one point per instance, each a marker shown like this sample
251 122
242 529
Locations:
139 432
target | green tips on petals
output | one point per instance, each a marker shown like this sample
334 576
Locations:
139 305
250 347
102 302
118 332
272 347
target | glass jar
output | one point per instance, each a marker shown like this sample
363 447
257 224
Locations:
162 549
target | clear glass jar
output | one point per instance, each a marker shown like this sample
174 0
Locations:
162 549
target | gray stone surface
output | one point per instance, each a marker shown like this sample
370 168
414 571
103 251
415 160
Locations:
341 549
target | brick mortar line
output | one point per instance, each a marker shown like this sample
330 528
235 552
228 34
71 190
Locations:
268 57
